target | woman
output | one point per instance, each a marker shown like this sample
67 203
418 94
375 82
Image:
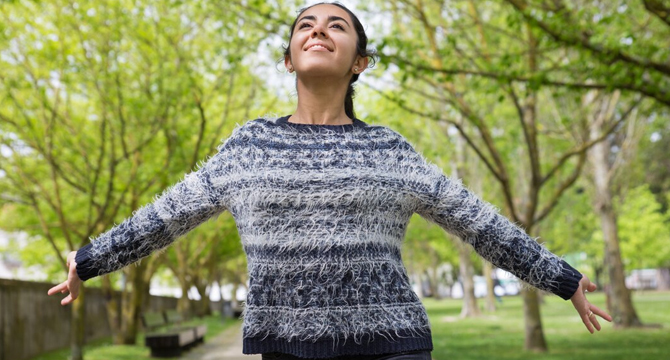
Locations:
322 201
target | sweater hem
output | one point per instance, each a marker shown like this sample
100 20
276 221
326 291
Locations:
327 348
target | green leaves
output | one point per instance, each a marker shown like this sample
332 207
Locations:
644 231
109 100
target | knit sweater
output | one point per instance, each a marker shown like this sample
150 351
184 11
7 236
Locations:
322 211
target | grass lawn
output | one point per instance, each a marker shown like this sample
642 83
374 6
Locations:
500 335
104 349
496 335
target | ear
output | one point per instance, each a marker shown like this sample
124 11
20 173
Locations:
287 63
361 63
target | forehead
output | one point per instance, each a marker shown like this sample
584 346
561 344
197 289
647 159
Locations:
325 10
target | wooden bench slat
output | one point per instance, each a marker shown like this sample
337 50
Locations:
173 317
170 339
153 320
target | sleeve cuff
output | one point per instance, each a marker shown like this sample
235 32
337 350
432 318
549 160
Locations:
85 268
568 281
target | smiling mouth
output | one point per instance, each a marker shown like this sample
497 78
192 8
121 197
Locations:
318 47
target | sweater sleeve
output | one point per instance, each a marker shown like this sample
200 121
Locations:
178 210
446 202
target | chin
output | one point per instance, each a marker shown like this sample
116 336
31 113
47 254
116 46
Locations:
321 71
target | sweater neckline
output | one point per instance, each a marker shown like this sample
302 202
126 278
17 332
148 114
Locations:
283 121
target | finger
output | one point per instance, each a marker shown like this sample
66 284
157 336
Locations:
68 299
594 321
602 313
58 288
588 325
591 287
587 321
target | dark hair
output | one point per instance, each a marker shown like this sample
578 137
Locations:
361 49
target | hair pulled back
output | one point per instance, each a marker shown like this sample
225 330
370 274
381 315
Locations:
361 50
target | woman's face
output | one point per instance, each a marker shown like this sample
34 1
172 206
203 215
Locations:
324 43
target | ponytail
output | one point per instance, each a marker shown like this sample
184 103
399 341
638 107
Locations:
349 99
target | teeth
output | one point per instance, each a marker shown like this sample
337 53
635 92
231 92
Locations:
313 46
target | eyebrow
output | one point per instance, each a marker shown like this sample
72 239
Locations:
331 18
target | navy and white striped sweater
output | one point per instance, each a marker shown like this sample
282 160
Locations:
322 211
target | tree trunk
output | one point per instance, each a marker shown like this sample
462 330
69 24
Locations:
533 322
203 307
416 279
470 308
113 314
78 328
621 305
490 294
622 309
598 272
184 305
132 303
432 286
236 287
534 338
460 169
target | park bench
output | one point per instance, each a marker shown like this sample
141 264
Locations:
167 340
173 317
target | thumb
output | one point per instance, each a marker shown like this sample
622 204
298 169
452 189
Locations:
591 287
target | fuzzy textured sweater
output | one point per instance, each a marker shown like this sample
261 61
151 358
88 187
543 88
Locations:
322 211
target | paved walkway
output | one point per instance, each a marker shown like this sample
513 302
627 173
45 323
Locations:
225 346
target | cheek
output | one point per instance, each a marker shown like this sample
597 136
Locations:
350 46
296 47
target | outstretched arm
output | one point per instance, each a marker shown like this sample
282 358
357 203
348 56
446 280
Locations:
153 227
449 204
495 238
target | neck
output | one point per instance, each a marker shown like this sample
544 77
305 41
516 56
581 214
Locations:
321 101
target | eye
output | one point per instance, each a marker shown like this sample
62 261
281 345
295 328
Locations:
303 25
339 26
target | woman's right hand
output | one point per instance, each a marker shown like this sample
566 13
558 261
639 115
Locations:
70 285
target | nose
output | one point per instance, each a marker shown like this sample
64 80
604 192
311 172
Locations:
318 31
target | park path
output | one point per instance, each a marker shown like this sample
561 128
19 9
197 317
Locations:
225 346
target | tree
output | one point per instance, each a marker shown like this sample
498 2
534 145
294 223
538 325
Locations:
105 104
603 171
451 73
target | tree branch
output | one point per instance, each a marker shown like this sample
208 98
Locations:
587 145
583 40
659 95
657 8
435 117
561 189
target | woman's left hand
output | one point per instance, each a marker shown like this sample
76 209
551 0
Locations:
586 310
